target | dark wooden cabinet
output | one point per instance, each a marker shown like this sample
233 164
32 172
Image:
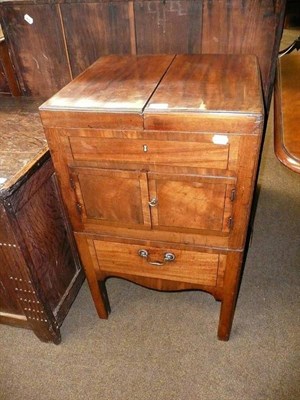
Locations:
156 158
40 273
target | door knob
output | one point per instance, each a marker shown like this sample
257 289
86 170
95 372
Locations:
153 202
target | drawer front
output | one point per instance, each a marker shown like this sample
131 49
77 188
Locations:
154 262
193 154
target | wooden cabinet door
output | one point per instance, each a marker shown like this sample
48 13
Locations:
191 202
111 197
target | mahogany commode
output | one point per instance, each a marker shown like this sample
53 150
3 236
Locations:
156 158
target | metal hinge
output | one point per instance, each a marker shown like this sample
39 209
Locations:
79 208
232 195
230 222
72 183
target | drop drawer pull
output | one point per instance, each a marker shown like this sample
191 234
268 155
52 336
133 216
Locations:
168 257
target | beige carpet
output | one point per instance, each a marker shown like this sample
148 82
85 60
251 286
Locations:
163 345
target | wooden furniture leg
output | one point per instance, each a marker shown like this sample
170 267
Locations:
98 289
230 293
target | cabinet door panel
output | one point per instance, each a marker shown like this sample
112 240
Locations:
191 202
112 197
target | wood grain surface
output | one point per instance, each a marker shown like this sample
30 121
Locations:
77 32
168 27
178 183
112 84
195 93
188 266
8 79
209 83
38 49
104 24
40 270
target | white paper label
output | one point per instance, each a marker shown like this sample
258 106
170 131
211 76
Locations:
28 19
220 139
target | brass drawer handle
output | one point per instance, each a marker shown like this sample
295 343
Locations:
168 257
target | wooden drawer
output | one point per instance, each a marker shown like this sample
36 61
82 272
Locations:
203 153
132 259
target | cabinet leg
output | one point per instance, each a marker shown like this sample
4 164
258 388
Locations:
99 294
97 288
104 295
230 293
226 318
47 333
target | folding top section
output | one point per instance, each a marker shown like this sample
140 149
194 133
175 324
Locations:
161 92
209 83
208 92
112 84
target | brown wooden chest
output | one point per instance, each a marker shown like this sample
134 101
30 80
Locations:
40 273
156 158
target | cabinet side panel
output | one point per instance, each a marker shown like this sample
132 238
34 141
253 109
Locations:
8 267
44 231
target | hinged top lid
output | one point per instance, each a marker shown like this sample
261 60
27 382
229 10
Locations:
213 93
161 92
209 83
113 84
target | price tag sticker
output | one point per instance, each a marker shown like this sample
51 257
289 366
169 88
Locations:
28 19
220 139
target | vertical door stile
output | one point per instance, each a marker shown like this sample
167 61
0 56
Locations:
153 197
79 205
228 208
144 198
